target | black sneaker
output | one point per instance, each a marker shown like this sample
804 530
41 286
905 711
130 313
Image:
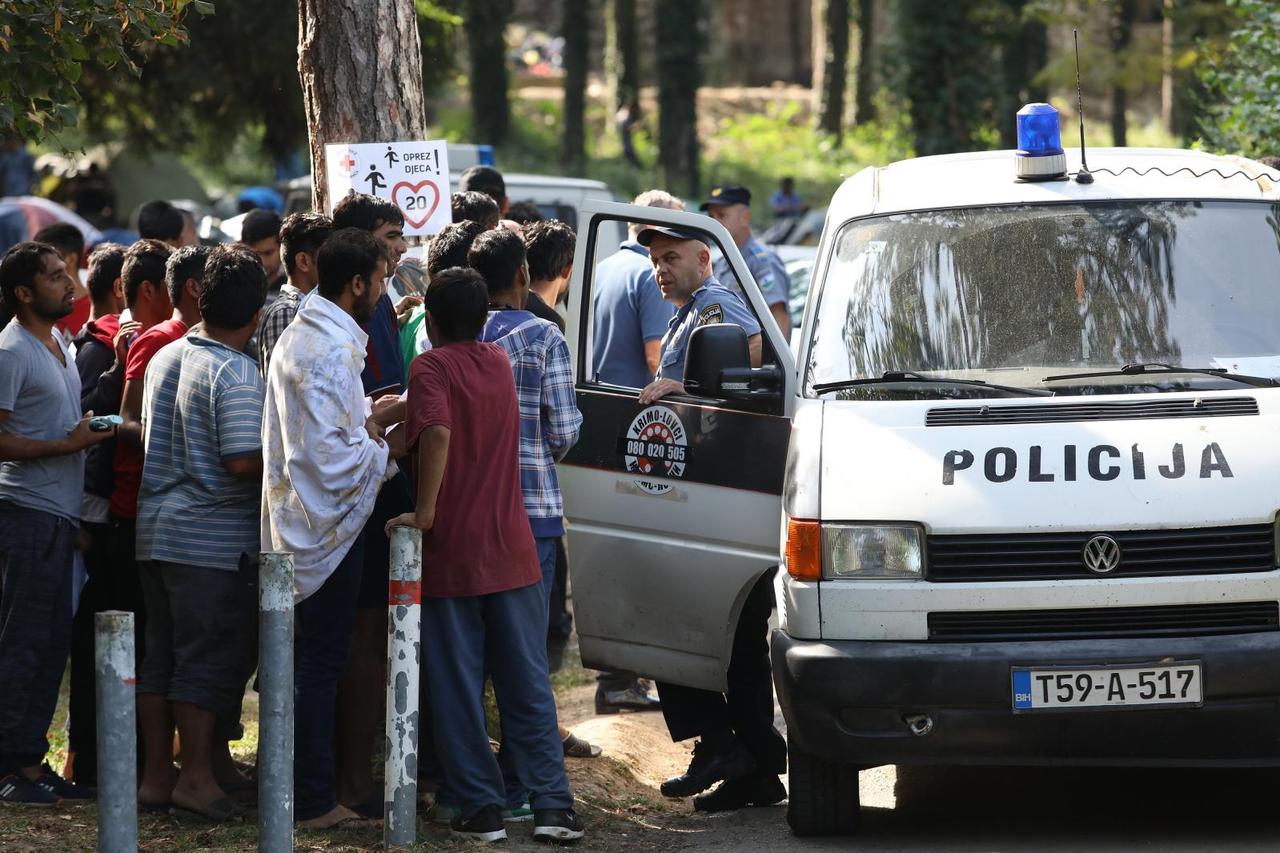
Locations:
709 766
634 697
18 790
556 825
758 789
61 788
485 825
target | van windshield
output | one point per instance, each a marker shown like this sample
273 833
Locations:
1017 295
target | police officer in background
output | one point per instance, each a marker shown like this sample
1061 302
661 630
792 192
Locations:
738 745
731 207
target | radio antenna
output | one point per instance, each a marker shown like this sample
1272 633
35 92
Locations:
1083 176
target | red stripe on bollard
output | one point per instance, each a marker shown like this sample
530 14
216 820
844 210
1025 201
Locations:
404 593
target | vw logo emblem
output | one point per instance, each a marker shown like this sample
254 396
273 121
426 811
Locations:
1101 555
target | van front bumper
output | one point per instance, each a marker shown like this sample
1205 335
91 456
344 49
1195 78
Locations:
850 701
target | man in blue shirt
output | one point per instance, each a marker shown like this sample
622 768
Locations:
682 266
731 207
629 314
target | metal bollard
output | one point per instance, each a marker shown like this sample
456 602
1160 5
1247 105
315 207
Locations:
404 628
117 732
275 702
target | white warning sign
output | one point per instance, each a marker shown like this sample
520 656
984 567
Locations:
414 176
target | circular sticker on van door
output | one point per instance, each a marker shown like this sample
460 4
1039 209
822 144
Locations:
656 444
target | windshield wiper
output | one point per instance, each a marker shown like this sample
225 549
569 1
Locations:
1153 367
895 376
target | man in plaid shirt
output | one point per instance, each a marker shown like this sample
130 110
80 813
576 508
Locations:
301 236
549 416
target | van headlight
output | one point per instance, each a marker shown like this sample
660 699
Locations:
872 551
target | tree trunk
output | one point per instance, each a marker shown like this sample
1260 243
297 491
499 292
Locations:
1166 67
1024 54
1123 14
360 69
864 107
575 28
486 26
835 64
623 52
676 60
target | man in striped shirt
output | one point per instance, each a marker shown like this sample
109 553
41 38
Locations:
198 535
301 236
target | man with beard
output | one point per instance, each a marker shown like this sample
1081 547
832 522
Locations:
325 462
42 439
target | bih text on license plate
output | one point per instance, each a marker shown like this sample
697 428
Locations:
1107 686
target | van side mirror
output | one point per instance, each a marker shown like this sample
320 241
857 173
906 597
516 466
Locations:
717 364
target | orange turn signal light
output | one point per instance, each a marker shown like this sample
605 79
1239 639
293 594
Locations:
804 549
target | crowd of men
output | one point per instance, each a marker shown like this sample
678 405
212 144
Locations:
315 425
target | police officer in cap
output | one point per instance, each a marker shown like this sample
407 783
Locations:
682 266
738 745
731 207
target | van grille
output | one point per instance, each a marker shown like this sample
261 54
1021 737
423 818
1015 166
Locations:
1050 413
1195 620
1143 553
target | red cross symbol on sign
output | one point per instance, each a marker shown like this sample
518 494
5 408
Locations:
349 163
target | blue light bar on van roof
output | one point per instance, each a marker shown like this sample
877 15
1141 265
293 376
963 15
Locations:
484 153
1039 156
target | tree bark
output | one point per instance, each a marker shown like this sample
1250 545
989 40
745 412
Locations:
1166 67
486 26
676 60
575 28
622 51
1123 14
835 64
864 108
361 74
1024 54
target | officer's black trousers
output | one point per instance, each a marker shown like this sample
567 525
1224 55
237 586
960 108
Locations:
747 709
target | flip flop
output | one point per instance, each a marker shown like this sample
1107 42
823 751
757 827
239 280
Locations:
221 810
576 747
342 823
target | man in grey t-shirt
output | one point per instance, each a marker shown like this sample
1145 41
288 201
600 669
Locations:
42 442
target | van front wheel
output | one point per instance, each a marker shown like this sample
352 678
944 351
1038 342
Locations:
823 796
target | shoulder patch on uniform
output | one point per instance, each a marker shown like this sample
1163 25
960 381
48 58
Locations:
710 315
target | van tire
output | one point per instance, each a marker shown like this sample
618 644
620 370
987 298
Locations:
823 796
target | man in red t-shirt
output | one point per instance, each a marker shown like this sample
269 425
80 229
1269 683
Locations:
483 606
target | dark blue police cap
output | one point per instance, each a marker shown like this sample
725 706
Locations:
726 194
646 235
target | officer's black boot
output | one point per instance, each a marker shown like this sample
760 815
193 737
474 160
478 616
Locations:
716 758
755 789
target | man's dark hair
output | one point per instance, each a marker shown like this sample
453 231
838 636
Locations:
160 220
549 246
187 262
1271 161
475 207
143 261
366 212
450 246
484 179
63 236
347 253
105 263
19 268
524 212
458 302
303 232
233 287
497 255
259 224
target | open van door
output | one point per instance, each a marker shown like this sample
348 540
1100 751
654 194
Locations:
674 509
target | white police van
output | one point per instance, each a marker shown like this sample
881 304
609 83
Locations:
1025 463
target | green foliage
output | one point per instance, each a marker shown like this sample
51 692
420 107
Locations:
438 28
46 47
1243 81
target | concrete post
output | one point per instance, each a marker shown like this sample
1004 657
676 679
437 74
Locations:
275 703
404 626
117 732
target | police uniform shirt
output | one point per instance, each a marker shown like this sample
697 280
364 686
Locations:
711 303
765 267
